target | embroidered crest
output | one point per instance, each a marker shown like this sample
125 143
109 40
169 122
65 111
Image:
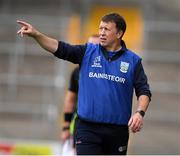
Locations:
124 67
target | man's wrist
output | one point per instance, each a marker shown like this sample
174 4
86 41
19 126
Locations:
68 117
65 128
141 112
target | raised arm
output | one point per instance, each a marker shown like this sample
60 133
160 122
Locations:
44 41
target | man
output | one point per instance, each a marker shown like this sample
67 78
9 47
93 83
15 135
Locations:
70 105
108 74
70 101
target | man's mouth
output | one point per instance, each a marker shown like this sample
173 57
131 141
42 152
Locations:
102 39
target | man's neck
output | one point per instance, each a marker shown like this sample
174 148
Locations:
114 48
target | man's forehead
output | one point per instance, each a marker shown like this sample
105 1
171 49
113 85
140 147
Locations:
110 23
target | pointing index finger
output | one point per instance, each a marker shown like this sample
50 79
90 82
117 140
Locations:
22 23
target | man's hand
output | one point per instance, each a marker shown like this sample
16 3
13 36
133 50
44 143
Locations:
26 29
135 123
65 135
48 43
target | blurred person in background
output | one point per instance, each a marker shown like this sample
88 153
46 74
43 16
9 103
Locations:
70 101
68 126
109 72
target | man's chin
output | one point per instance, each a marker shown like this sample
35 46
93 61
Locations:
103 44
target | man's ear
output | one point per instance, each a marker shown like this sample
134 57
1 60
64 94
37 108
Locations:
119 34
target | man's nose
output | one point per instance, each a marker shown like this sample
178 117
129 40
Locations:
102 32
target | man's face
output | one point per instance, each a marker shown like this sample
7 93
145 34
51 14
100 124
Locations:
108 33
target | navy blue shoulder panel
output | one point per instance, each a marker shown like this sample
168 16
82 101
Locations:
72 53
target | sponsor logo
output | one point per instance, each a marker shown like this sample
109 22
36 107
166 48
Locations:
107 77
78 142
97 62
122 148
124 67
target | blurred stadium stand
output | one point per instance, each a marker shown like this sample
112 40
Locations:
33 82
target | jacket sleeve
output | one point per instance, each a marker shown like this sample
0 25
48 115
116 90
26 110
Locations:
72 53
141 82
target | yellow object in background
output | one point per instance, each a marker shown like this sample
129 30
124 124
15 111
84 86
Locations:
32 149
73 30
72 125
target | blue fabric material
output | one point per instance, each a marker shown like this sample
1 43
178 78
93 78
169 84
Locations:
106 88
